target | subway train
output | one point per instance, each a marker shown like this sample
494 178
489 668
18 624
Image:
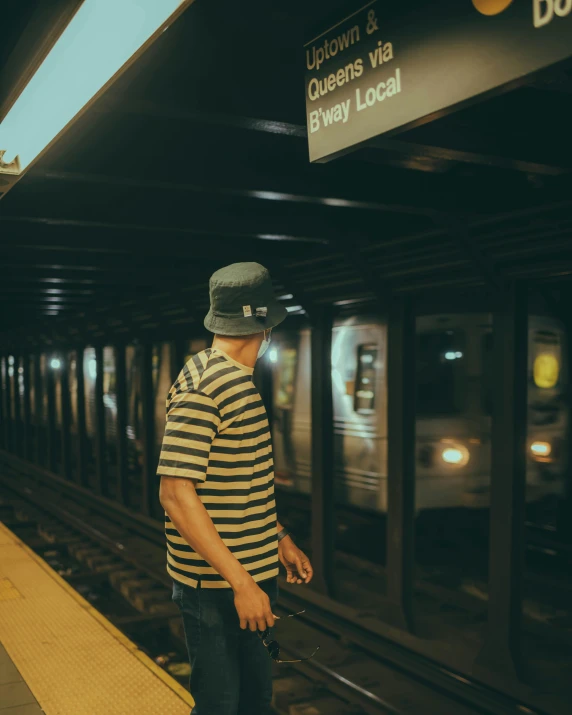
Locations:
455 372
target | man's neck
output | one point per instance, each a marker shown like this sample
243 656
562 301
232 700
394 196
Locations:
243 350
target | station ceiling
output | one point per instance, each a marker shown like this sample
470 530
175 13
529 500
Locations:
197 157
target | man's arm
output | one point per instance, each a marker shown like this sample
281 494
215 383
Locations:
187 512
297 564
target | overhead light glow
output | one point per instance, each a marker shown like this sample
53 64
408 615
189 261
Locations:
270 195
341 203
541 449
273 355
55 364
457 455
100 39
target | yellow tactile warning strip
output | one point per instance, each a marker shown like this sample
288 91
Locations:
7 590
74 661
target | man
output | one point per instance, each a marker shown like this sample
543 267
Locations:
217 489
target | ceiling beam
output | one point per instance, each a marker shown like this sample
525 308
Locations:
40 291
101 247
116 103
145 108
20 256
300 190
147 229
458 156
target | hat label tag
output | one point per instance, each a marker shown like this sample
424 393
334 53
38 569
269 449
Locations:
247 310
261 312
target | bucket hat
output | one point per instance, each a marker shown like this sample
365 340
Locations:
242 301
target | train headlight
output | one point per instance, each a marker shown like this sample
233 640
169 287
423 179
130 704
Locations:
541 451
456 455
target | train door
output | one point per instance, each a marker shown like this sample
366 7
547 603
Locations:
359 397
360 406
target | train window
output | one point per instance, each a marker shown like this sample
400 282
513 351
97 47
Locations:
286 378
440 372
366 379
546 356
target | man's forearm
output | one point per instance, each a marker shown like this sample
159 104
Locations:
279 528
194 524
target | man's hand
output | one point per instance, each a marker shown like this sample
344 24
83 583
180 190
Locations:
297 564
253 607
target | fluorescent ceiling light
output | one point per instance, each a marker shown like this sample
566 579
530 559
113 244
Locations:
99 41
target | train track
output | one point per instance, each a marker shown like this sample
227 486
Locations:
356 671
87 556
451 596
545 554
83 557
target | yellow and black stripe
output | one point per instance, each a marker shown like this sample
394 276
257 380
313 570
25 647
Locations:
217 433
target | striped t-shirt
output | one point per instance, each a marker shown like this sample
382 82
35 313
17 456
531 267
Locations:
217 433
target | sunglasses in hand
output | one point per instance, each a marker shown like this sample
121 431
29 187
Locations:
273 647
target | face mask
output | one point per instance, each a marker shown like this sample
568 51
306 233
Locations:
264 345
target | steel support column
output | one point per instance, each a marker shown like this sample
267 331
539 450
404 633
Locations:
38 411
323 532
51 425
2 409
121 444
65 407
400 461
81 455
147 406
564 523
26 407
17 431
8 427
501 655
100 465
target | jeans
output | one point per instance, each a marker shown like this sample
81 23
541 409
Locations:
231 671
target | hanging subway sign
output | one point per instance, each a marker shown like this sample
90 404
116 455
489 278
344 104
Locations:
389 65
